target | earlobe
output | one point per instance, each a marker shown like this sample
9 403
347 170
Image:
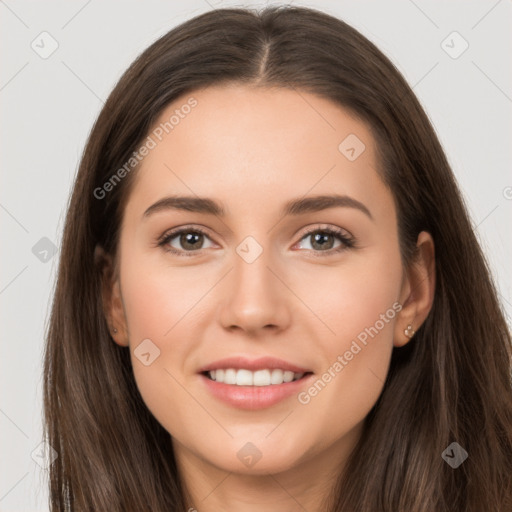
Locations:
417 294
111 297
116 314
409 331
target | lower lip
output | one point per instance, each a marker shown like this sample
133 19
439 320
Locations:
254 397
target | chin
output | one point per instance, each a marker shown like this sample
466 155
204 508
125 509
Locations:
262 467
257 457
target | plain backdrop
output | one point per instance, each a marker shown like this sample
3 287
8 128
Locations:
49 103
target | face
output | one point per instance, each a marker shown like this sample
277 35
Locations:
313 292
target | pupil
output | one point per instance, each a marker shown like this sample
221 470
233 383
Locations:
320 239
188 239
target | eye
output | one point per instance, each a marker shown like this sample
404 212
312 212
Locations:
324 239
189 240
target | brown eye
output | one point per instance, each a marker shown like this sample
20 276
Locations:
191 240
324 240
185 241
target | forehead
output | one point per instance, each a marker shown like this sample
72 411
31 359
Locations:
250 146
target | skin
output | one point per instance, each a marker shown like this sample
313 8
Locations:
253 149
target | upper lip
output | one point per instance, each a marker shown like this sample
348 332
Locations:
261 363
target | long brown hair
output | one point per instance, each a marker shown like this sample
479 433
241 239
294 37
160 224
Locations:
451 383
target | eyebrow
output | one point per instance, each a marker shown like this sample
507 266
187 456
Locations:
293 207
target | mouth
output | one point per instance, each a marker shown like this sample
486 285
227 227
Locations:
249 384
260 378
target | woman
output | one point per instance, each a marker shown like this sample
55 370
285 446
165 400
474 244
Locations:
270 295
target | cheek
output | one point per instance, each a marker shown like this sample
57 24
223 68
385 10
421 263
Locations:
163 305
353 296
358 303
160 299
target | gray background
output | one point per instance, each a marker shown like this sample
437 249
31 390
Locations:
48 106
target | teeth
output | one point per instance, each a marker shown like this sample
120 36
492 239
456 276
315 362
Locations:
258 378
243 378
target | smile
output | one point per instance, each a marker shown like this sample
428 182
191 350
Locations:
256 390
243 377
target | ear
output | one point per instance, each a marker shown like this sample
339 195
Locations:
417 293
111 297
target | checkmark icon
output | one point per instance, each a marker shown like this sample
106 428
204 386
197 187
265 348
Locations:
44 45
146 352
454 45
249 249
44 250
249 454
454 455
351 147
44 455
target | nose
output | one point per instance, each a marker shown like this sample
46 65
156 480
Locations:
256 300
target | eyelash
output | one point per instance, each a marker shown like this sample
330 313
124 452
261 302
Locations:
347 241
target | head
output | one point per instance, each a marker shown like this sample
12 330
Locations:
242 109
